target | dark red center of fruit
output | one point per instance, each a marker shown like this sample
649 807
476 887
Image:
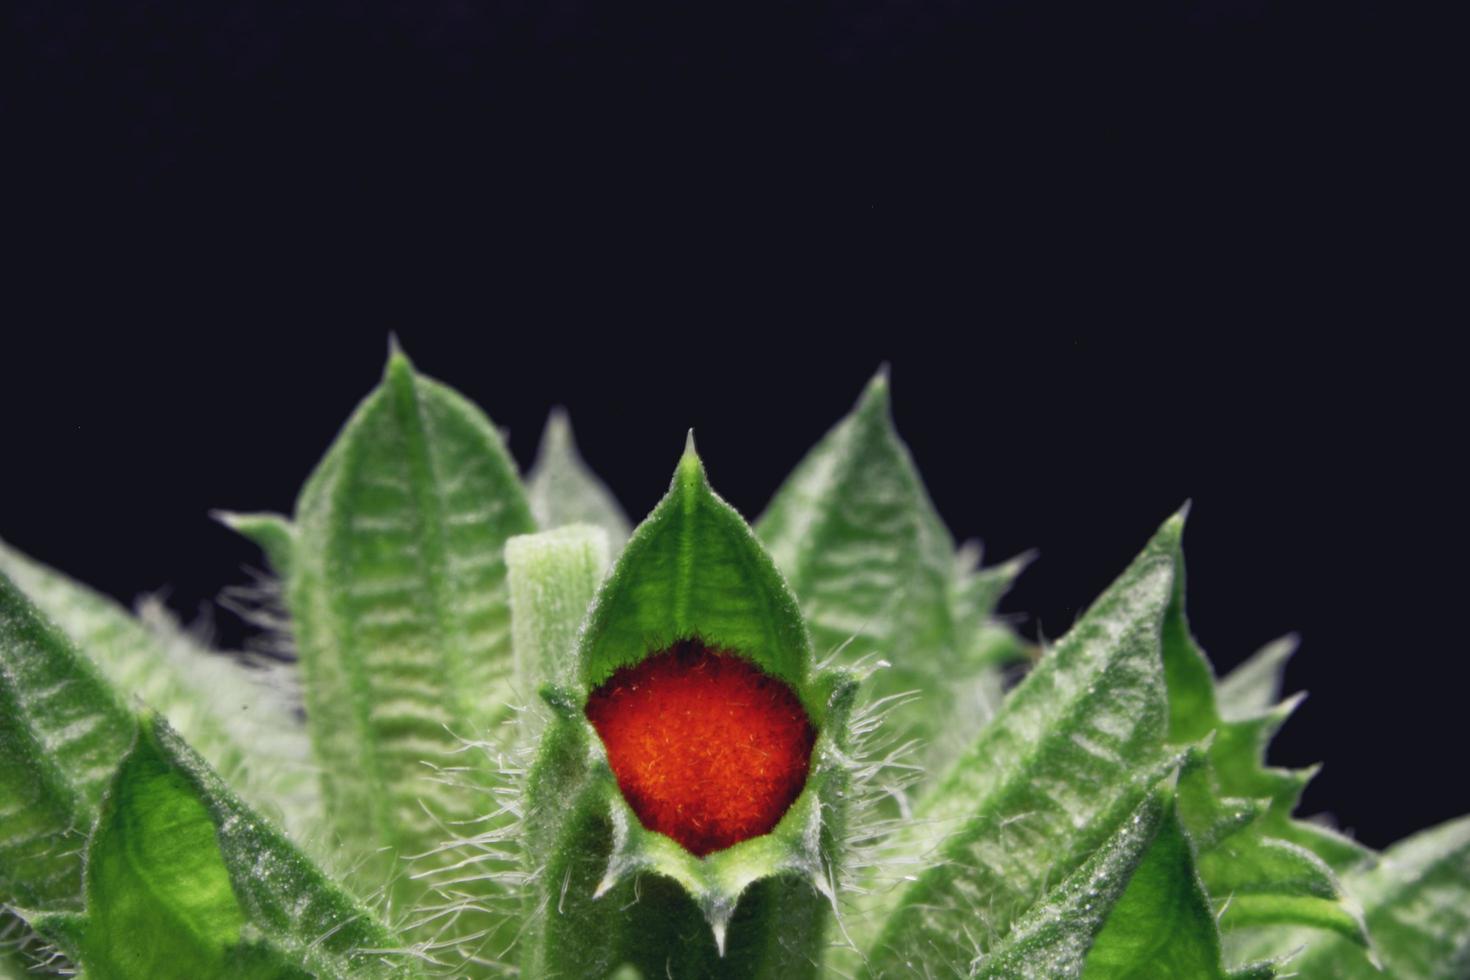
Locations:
707 748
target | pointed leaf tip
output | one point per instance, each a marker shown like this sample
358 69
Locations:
398 360
556 436
558 426
1170 535
691 467
875 397
563 489
1179 519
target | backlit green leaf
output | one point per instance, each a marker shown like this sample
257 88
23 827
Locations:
183 880
237 716
1163 926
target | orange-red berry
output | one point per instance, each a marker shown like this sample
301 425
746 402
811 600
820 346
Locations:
707 748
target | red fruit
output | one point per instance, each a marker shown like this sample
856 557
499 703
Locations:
707 748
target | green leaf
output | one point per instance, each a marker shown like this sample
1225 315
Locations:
608 892
1266 880
1417 904
62 731
1256 878
1073 753
237 716
401 618
1265 869
564 491
158 895
1163 925
184 880
875 570
1053 938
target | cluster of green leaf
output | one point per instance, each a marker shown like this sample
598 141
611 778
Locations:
442 807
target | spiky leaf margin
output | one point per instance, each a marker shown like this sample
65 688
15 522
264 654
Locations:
1075 750
1258 864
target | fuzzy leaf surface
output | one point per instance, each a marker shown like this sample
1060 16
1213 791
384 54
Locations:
552 578
1053 938
1071 756
1417 905
401 616
233 714
184 880
62 732
563 489
875 570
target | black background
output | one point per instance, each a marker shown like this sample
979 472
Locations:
1118 255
